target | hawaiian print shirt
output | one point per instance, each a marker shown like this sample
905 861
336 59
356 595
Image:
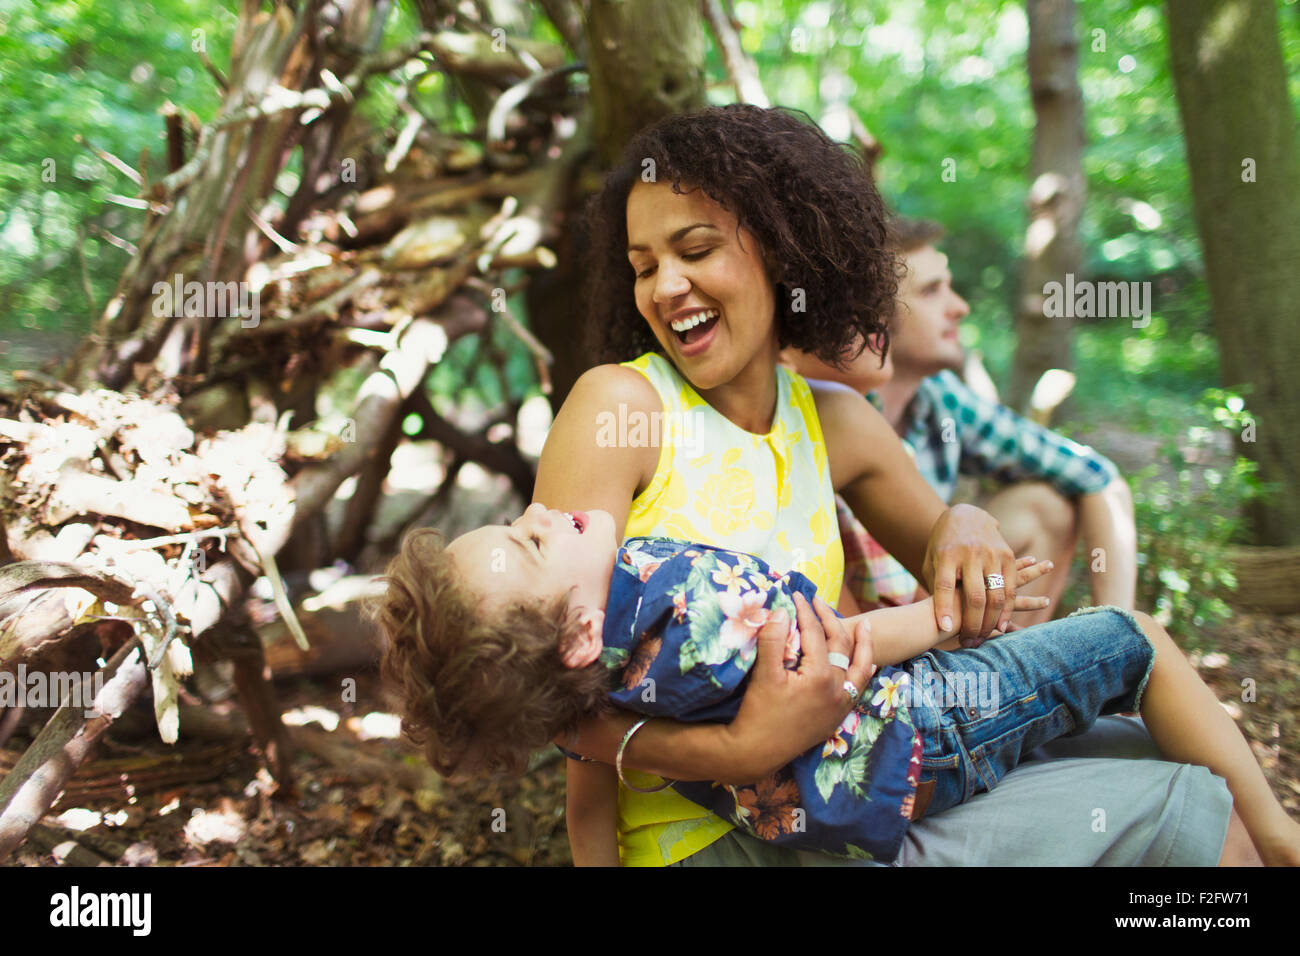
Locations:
681 634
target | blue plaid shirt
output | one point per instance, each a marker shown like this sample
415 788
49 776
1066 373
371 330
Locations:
953 431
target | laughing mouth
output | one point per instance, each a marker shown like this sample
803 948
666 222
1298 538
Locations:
579 523
694 326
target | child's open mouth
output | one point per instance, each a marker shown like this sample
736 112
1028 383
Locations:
695 326
579 519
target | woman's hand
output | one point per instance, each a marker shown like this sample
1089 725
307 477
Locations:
786 712
1027 570
965 545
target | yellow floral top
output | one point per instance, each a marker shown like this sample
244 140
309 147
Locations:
717 484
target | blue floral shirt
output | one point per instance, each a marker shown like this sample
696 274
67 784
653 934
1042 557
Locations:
680 636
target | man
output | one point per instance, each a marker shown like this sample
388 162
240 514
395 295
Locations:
1057 491
1054 490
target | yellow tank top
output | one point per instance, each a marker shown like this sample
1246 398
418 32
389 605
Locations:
767 495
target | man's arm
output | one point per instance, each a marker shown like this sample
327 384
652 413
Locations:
1110 544
997 442
591 813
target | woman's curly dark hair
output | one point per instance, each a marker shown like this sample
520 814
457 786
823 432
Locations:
480 691
809 201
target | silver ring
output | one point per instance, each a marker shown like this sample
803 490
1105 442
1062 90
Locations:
838 660
994 581
852 690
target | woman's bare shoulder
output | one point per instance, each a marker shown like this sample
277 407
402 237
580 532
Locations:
587 461
604 387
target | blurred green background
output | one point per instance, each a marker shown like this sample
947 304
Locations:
933 81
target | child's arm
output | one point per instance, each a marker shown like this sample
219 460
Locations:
901 633
591 809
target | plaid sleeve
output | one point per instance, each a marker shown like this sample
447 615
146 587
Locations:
872 575
996 441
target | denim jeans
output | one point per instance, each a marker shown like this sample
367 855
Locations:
981 711
1099 799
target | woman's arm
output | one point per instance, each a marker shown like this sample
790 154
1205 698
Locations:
584 465
783 714
900 633
883 487
591 813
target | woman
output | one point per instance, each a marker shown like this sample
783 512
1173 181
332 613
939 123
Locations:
723 236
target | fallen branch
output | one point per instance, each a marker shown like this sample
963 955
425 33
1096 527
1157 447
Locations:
81 493
48 839
262 708
30 789
396 377
504 458
146 544
280 100
866 141
345 756
13 716
541 354
514 97
222 83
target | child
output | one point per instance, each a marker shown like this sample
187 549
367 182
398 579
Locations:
506 638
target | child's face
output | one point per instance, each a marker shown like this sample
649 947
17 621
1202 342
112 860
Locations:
542 556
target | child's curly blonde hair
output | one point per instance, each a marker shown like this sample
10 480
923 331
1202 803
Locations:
480 690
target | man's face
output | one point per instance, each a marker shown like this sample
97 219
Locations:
924 331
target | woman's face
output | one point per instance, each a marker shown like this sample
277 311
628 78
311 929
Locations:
702 288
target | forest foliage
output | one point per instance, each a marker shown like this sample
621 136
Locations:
942 86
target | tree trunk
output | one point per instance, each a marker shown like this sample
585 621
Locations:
646 61
1056 194
1240 131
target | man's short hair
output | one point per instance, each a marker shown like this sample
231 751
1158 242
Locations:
908 235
